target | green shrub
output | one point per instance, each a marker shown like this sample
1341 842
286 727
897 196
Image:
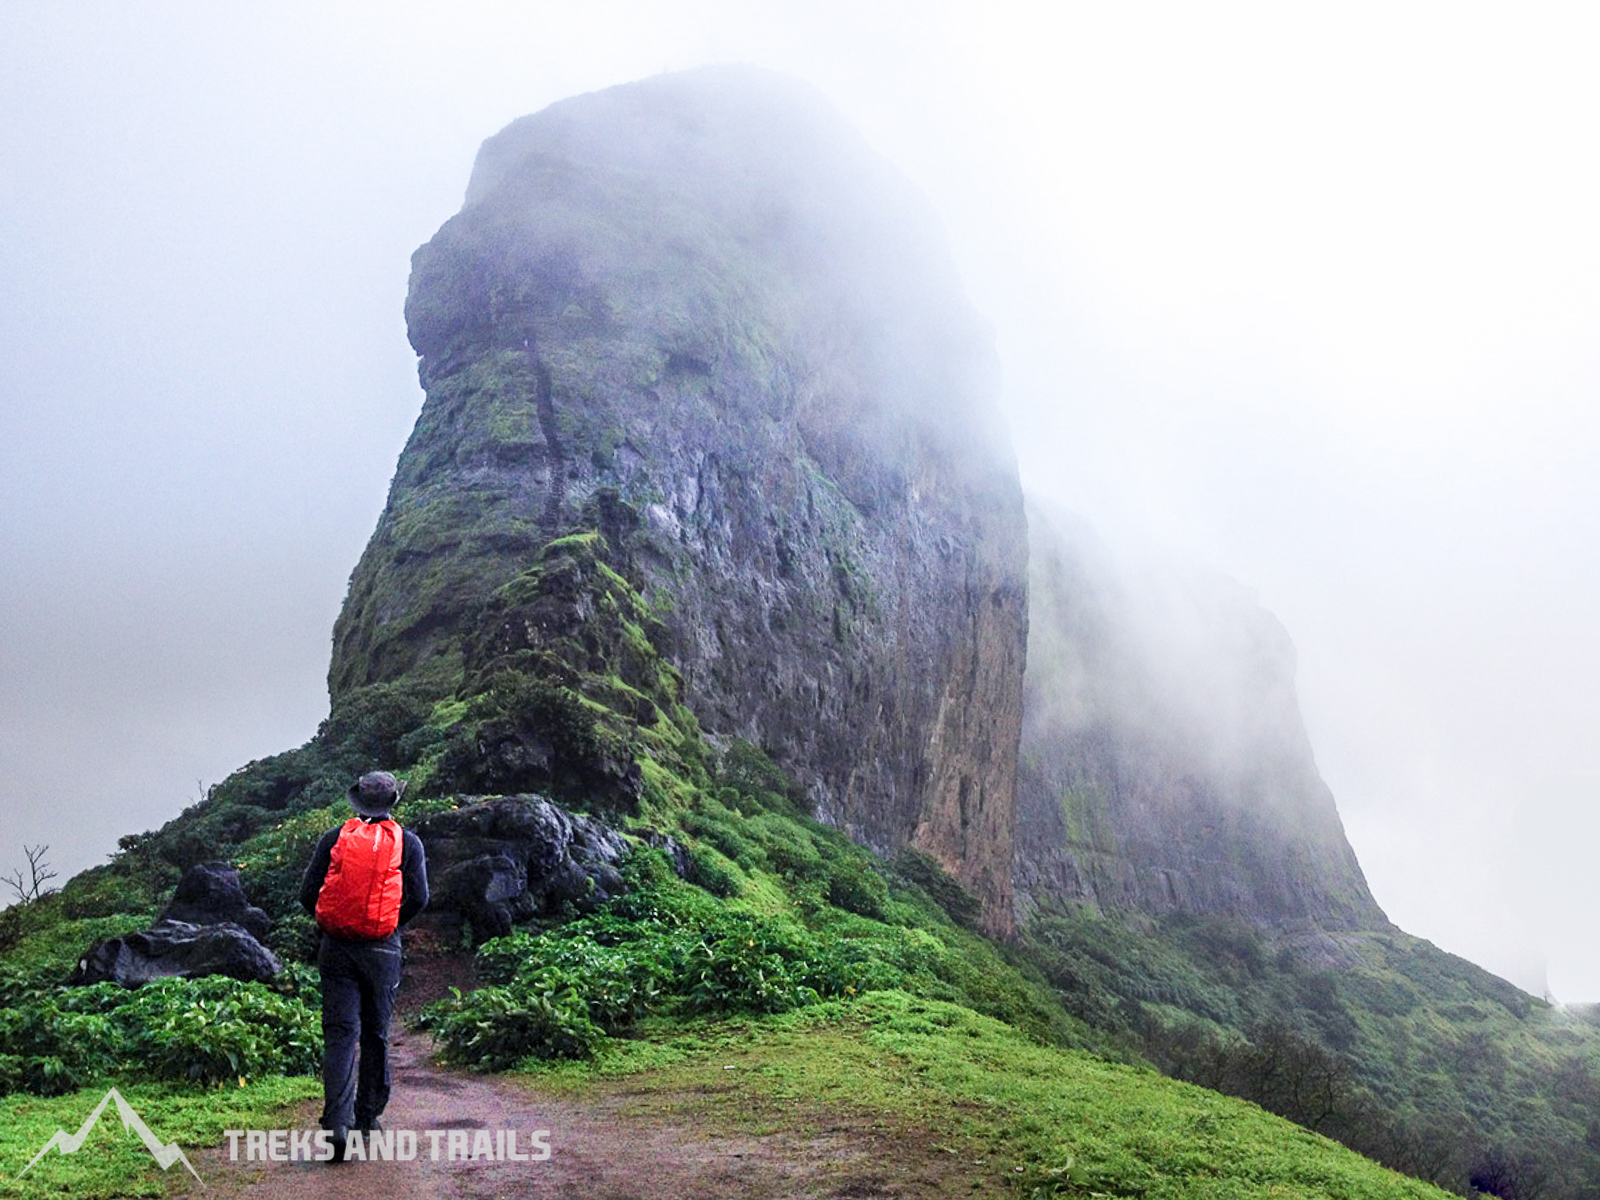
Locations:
757 783
710 870
618 982
855 887
713 824
205 1030
218 1028
924 873
51 1050
735 973
493 1028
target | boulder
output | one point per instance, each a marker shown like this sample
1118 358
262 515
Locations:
505 859
207 928
177 948
209 894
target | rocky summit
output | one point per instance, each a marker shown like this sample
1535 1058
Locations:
700 319
711 435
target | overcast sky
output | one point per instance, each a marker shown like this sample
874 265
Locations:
1305 293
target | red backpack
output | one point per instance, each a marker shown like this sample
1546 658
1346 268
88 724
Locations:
360 897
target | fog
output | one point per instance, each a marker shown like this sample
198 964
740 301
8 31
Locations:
1305 298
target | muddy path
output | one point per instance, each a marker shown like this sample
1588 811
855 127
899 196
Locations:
627 1139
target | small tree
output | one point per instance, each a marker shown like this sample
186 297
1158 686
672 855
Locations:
30 886
1511 1176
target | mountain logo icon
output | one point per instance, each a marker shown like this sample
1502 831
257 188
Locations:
67 1143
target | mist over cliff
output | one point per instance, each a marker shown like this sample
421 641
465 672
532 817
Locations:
699 315
1165 765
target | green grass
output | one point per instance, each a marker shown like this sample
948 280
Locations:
1039 1120
115 1163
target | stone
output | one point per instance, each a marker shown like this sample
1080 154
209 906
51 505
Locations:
209 894
506 859
207 928
179 948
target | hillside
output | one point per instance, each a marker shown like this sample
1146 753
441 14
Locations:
707 561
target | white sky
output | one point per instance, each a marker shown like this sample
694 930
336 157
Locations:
1309 293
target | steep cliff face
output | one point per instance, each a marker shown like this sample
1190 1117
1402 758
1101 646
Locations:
699 315
1165 767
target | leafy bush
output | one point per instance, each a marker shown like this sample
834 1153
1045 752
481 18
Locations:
618 982
50 1050
855 887
751 782
710 870
218 1028
960 905
735 973
496 1027
204 1030
668 949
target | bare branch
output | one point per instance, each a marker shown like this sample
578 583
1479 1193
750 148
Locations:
31 886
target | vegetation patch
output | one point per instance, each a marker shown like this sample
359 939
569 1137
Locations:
113 1164
1021 1119
204 1031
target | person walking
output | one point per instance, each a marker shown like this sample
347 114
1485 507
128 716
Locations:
366 879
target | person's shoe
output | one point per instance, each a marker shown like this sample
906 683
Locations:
341 1135
368 1127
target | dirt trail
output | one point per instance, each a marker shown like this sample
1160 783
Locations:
617 1141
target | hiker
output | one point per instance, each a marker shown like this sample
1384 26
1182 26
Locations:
366 878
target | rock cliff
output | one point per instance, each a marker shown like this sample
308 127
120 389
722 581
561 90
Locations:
700 316
1165 767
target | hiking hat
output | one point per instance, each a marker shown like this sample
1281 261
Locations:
375 793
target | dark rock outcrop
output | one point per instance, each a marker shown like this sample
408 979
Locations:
699 315
1165 766
207 928
210 894
177 948
507 859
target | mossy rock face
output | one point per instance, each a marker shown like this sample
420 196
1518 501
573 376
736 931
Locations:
700 318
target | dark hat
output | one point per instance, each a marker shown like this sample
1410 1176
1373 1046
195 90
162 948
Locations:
375 793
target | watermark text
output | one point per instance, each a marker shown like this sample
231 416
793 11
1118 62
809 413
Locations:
390 1145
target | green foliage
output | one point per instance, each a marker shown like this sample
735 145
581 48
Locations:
49 949
1411 1055
817 862
201 1030
1078 1125
922 871
757 783
713 871
539 1016
216 1029
670 950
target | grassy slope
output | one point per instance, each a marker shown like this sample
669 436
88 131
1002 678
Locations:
1041 1120
1440 1049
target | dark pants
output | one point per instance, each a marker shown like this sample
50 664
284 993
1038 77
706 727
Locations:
359 983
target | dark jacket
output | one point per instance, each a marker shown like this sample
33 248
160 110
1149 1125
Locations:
413 872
